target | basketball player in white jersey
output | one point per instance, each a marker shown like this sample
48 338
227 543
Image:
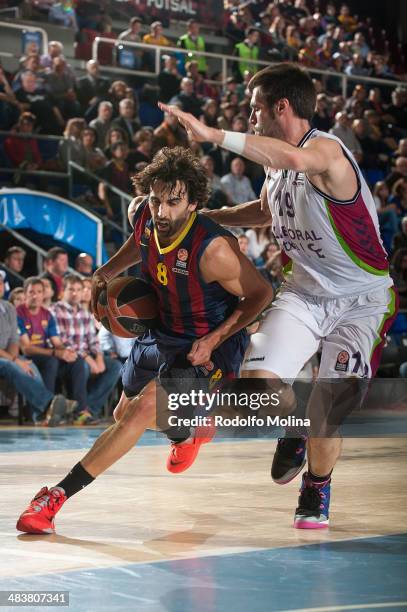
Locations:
338 294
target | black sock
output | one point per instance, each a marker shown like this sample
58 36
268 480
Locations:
178 434
77 479
319 479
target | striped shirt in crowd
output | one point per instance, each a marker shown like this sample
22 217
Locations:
76 328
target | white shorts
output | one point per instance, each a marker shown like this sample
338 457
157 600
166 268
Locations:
350 330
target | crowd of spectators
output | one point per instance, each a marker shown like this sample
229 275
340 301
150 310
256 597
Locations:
112 126
51 347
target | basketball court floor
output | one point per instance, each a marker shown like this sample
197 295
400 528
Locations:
216 538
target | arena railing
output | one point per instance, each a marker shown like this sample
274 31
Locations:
40 252
39 173
28 28
125 198
223 62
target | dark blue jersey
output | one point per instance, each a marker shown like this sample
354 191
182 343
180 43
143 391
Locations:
189 307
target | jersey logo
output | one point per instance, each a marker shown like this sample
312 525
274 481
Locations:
342 361
147 232
182 254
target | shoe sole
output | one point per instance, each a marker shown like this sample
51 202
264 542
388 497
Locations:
304 524
291 474
34 530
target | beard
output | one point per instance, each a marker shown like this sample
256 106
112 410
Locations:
166 228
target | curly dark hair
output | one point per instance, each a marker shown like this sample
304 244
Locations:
172 165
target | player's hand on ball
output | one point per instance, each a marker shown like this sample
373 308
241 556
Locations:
99 283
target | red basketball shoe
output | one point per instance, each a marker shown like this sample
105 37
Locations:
183 454
39 515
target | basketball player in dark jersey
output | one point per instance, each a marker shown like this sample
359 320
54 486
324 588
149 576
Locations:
199 276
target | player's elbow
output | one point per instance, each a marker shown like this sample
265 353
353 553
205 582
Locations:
295 161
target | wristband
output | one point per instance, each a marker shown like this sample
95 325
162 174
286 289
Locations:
234 141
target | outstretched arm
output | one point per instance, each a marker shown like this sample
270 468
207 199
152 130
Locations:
320 157
223 262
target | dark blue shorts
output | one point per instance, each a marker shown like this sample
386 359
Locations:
161 356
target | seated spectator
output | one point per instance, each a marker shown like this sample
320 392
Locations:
359 45
41 104
322 120
401 150
94 158
359 95
56 266
356 66
84 264
77 331
132 34
92 88
22 374
399 171
60 83
228 111
16 297
170 134
210 113
201 89
115 134
236 185
399 275
63 14
143 139
118 91
398 108
39 338
102 123
218 197
192 41
247 50
267 253
325 53
330 16
127 120
293 38
117 173
30 63
23 153
186 99
374 152
347 21
169 79
307 55
387 213
344 132
156 37
12 269
243 243
399 196
55 49
71 148
9 109
400 239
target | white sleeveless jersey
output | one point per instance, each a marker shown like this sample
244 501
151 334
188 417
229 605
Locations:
334 246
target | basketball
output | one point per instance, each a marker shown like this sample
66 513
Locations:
128 307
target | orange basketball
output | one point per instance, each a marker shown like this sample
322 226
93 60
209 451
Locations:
128 307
